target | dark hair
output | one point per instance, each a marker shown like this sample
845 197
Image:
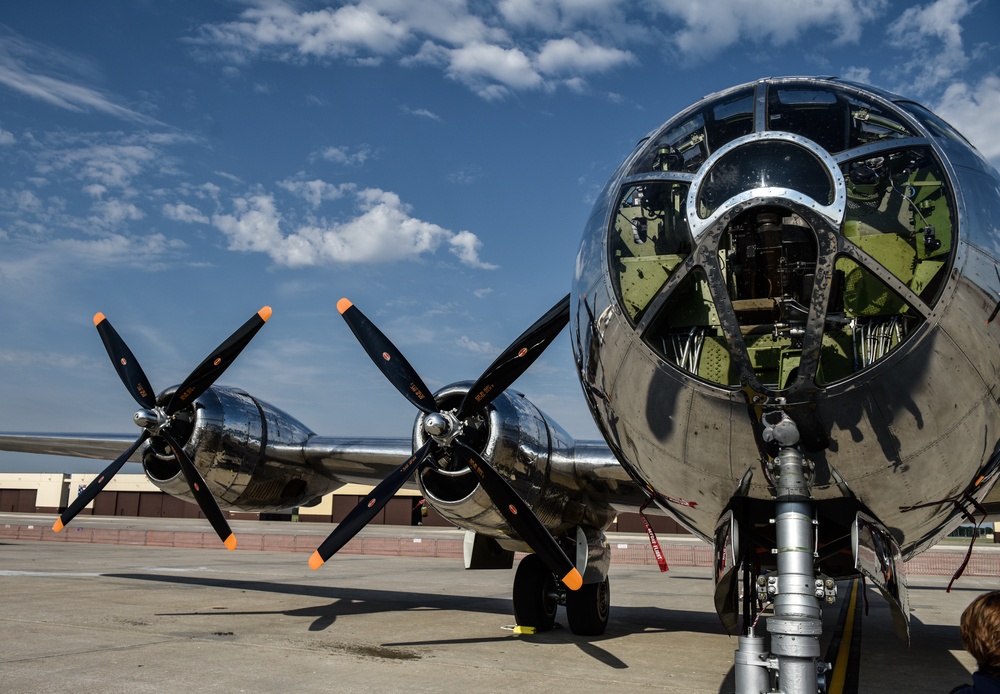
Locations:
980 628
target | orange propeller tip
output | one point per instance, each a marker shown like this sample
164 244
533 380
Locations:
316 561
99 317
573 580
264 313
230 542
343 305
58 525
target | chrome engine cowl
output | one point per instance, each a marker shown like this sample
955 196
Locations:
249 452
528 449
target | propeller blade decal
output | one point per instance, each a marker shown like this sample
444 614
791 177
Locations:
387 358
125 363
216 363
516 359
521 518
209 506
97 486
369 507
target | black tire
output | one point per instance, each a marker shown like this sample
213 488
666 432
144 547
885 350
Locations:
535 594
588 609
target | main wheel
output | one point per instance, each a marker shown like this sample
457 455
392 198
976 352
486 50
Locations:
536 595
588 609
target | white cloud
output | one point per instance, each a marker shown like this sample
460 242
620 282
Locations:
567 55
111 165
46 359
315 192
975 112
709 26
470 43
479 65
183 212
148 251
477 347
560 14
278 29
111 214
382 231
933 29
346 155
7 137
466 246
422 113
857 74
56 78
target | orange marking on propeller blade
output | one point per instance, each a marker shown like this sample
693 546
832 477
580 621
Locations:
99 317
316 561
264 313
230 542
573 580
343 305
58 525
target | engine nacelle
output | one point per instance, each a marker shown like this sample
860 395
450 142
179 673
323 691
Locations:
249 452
536 457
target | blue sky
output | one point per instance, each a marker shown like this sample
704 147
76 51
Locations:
179 164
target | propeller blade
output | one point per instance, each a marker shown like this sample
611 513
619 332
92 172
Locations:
516 359
206 502
125 363
98 485
216 363
369 507
387 358
521 518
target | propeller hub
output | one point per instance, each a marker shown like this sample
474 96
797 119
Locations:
150 420
443 427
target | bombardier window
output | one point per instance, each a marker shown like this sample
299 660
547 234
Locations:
764 164
650 238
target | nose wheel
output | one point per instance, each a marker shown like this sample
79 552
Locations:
537 594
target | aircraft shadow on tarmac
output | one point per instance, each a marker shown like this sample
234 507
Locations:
930 649
353 601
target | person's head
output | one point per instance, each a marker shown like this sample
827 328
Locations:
980 628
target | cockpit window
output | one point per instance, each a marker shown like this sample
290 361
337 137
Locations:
649 239
830 117
936 126
685 147
764 164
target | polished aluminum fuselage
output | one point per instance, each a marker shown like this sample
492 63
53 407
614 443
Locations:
910 438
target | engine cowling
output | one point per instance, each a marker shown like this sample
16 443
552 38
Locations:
248 451
536 456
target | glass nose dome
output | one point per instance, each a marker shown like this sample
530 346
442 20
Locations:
783 236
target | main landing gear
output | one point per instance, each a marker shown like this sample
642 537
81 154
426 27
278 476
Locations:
537 594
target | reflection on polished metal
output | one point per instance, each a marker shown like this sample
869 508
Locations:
795 626
793 589
806 245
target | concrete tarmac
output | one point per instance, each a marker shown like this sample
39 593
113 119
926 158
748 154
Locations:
114 618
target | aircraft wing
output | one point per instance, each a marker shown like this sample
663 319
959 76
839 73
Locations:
95 446
357 460
343 459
